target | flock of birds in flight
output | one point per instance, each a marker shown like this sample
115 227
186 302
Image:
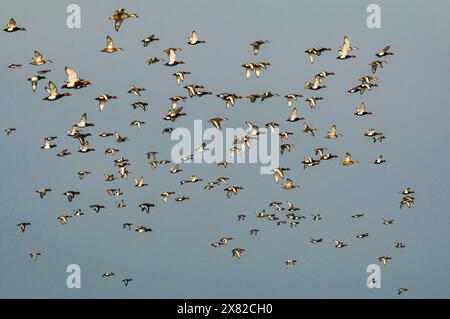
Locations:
74 82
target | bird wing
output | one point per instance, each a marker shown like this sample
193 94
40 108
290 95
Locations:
33 85
311 57
37 56
109 42
118 24
362 108
257 71
11 24
72 76
347 157
294 114
346 45
101 105
386 49
316 81
333 130
172 56
51 89
194 37
83 117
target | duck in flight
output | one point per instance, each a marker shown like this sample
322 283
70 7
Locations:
63 218
259 67
96 207
102 99
14 66
12 26
309 162
308 129
34 79
23 226
139 182
47 143
293 117
361 110
291 97
137 123
237 252
232 190
63 153
407 191
313 101
34 255
286 147
379 160
401 291
39 59
346 49
384 52
376 64
339 244
384 259
110 48
323 155
9 130
284 135
268 95
407 200
316 85
256 45
71 195
108 274
147 40
278 173
166 196
313 52
348 160
180 76
172 56
216 121
83 121
153 60
194 40
399 245
43 191
143 229
119 16
53 93
136 91
145 207
289 263
289 185
126 281
73 81
332 133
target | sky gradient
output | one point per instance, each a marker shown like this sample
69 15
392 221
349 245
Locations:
176 260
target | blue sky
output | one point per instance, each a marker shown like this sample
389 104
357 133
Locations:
176 260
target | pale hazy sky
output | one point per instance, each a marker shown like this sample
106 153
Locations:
176 260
